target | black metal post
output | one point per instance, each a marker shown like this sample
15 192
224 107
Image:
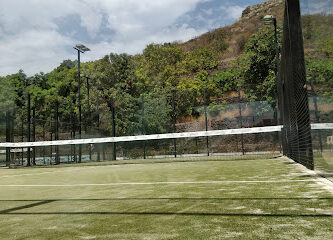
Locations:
8 138
72 157
174 118
12 126
206 122
316 113
240 118
74 129
114 130
51 138
277 66
80 49
143 125
34 134
89 112
29 134
43 140
98 145
79 92
89 116
22 138
56 120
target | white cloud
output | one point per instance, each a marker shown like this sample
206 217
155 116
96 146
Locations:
31 37
233 12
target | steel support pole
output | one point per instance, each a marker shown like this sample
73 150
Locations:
79 93
89 117
7 138
57 158
34 134
240 118
29 134
277 66
316 113
206 122
12 125
22 139
114 130
174 118
51 139
143 125
98 145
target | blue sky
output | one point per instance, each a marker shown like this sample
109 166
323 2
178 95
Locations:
36 35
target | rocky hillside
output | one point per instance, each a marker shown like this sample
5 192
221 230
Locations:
236 35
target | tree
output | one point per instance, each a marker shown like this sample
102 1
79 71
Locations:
257 66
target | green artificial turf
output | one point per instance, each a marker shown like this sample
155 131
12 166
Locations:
172 209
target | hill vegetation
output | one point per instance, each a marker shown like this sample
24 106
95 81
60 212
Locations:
204 70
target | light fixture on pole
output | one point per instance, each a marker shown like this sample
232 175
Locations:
80 49
269 19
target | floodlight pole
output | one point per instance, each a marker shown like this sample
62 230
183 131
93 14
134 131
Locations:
80 49
8 151
277 62
79 92
29 128
269 20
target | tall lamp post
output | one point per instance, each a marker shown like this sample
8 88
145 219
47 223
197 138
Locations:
271 20
80 49
89 114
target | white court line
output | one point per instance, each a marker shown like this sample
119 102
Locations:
71 169
152 183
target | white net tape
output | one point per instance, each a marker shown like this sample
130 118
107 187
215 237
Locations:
158 136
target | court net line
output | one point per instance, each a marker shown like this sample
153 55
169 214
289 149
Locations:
154 183
211 133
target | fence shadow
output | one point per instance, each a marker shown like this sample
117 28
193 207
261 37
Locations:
13 211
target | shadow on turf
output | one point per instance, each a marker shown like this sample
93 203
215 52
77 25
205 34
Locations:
167 199
11 211
25 206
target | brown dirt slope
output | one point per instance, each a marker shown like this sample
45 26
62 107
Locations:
236 35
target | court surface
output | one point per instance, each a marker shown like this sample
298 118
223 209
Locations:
202 199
